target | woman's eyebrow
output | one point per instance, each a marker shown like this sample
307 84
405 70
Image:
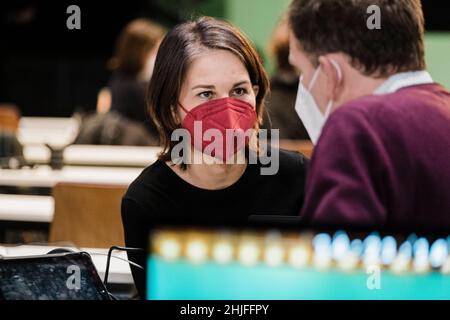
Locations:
203 86
241 83
208 86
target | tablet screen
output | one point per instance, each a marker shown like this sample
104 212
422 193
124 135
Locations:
53 277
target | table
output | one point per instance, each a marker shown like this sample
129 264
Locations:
45 177
41 130
96 155
303 146
26 208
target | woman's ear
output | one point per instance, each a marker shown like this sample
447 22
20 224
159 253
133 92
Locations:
255 90
175 114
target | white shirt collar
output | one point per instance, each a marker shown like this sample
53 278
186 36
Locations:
403 79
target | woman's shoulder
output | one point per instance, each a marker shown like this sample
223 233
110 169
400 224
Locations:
151 180
284 168
282 193
290 162
292 158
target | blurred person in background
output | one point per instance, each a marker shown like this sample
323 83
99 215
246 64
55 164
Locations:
121 117
283 88
11 151
132 66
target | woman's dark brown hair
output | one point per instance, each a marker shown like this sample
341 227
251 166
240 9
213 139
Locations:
177 51
134 44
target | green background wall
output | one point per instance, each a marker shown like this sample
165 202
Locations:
258 18
437 54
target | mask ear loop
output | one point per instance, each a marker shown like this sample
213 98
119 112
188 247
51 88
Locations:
314 78
328 109
184 109
338 69
339 74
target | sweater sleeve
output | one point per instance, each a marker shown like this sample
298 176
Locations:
347 170
136 236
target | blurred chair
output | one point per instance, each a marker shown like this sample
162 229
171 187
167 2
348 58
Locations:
88 215
303 146
9 118
112 128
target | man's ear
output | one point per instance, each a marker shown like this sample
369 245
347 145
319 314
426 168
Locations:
334 76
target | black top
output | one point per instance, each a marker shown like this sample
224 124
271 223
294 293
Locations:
159 194
128 99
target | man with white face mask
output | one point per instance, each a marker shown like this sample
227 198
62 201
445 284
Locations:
380 125
308 110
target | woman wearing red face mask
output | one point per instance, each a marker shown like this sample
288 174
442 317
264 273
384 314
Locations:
208 80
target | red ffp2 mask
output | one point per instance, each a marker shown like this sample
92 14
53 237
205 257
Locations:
221 114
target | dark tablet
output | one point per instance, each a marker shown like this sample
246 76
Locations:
63 276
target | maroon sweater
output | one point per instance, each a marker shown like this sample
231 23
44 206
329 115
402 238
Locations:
384 160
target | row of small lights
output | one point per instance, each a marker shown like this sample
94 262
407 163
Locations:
321 251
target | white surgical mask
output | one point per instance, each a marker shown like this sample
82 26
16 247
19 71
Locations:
307 109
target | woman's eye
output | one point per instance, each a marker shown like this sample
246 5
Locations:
205 94
239 92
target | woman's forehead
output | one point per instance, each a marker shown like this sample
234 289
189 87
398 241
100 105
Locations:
214 66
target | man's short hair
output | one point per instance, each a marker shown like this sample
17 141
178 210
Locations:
329 26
